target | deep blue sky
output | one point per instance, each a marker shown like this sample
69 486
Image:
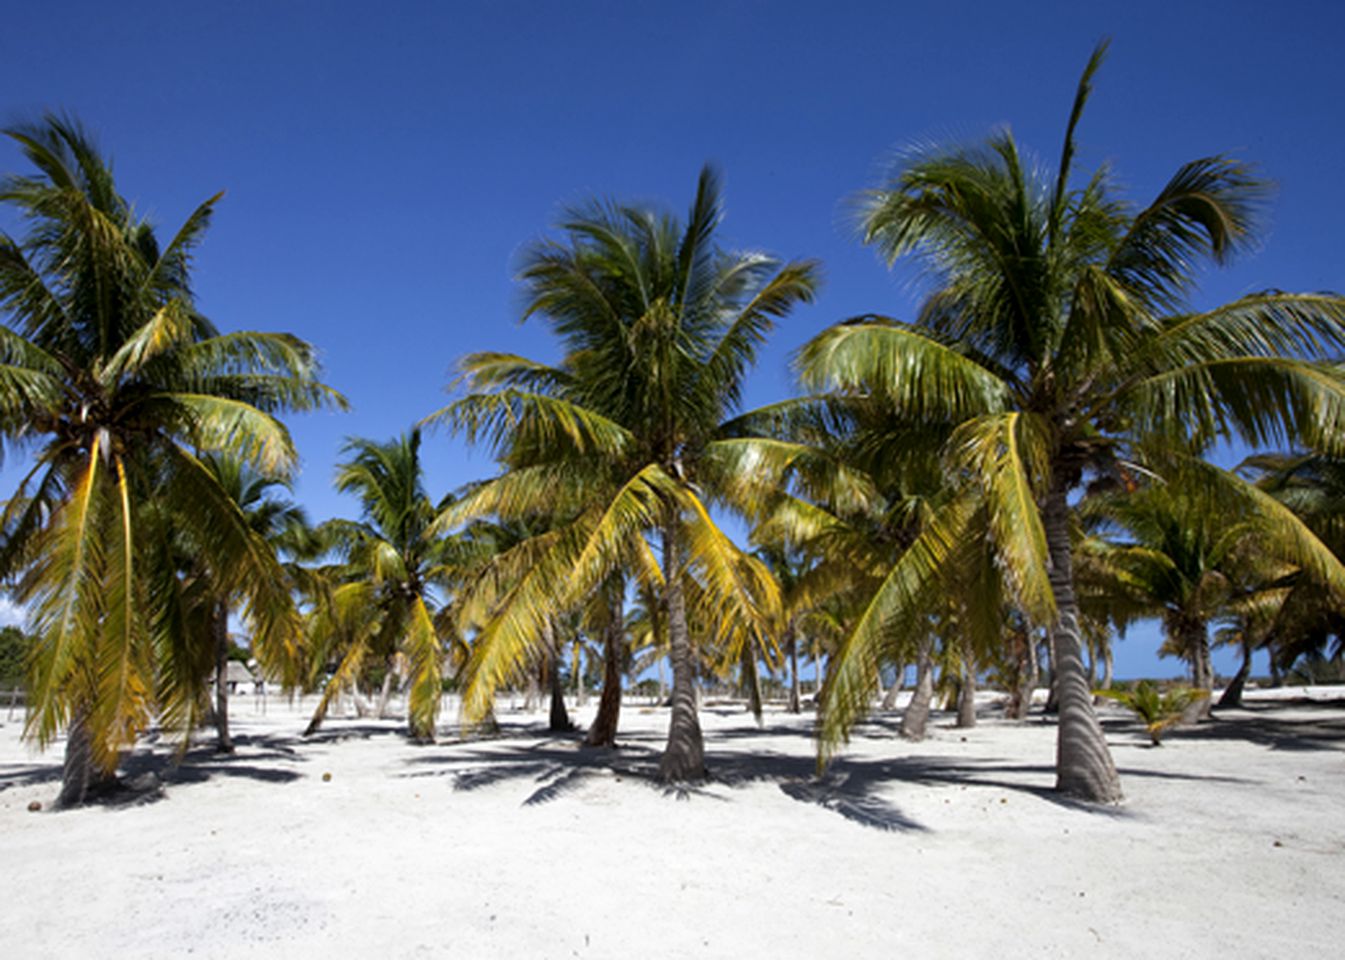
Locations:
385 162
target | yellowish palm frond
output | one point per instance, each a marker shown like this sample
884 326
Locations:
239 429
425 656
918 376
64 589
1007 455
895 615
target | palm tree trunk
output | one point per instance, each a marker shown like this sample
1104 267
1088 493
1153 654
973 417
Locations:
1108 666
381 712
559 721
580 696
684 756
915 720
898 681
219 626
1084 766
966 694
77 772
1024 678
1276 671
1052 691
603 731
792 645
1194 641
1233 692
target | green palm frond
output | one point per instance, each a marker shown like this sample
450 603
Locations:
490 370
1008 456
893 617
425 654
64 589
223 425
1260 400
918 376
534 420
1207 209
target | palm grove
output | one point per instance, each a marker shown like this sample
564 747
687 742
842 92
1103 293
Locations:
1022 464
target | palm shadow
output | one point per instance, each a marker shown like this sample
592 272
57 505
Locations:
1322 729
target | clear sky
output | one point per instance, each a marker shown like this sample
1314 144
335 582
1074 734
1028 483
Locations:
384 162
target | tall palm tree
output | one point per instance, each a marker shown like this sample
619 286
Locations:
113 381
659 326
1057 337
383 601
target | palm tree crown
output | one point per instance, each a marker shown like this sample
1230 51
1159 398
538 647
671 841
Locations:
624 436
1057 339
114 381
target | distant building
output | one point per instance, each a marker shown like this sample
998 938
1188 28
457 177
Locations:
238 676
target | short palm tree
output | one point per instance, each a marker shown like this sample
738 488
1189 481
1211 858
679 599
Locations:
1175 554
1057 339
381 605
622 438
114 382
282 525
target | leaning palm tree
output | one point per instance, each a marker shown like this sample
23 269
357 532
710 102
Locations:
1058 338
113 381
622 438
382 604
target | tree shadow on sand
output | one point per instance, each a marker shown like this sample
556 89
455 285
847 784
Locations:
144 775
1320 727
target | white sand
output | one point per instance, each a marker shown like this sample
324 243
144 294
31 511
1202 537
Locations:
1230 844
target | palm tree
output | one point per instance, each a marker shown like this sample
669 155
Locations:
382 603
622 438
113 381
1057 339
281 524
1180 559
1312 484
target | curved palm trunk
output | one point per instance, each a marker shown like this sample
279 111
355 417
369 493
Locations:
603 731
1084 766
684 756
219 627
1232 696
915 721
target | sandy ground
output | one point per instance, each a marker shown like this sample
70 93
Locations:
1231 843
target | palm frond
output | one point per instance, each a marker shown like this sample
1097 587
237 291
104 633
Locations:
919 377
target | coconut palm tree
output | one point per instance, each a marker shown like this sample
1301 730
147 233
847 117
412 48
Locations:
113 381
1311 484
1059 340
1174 554
622 438
381 606
281 524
